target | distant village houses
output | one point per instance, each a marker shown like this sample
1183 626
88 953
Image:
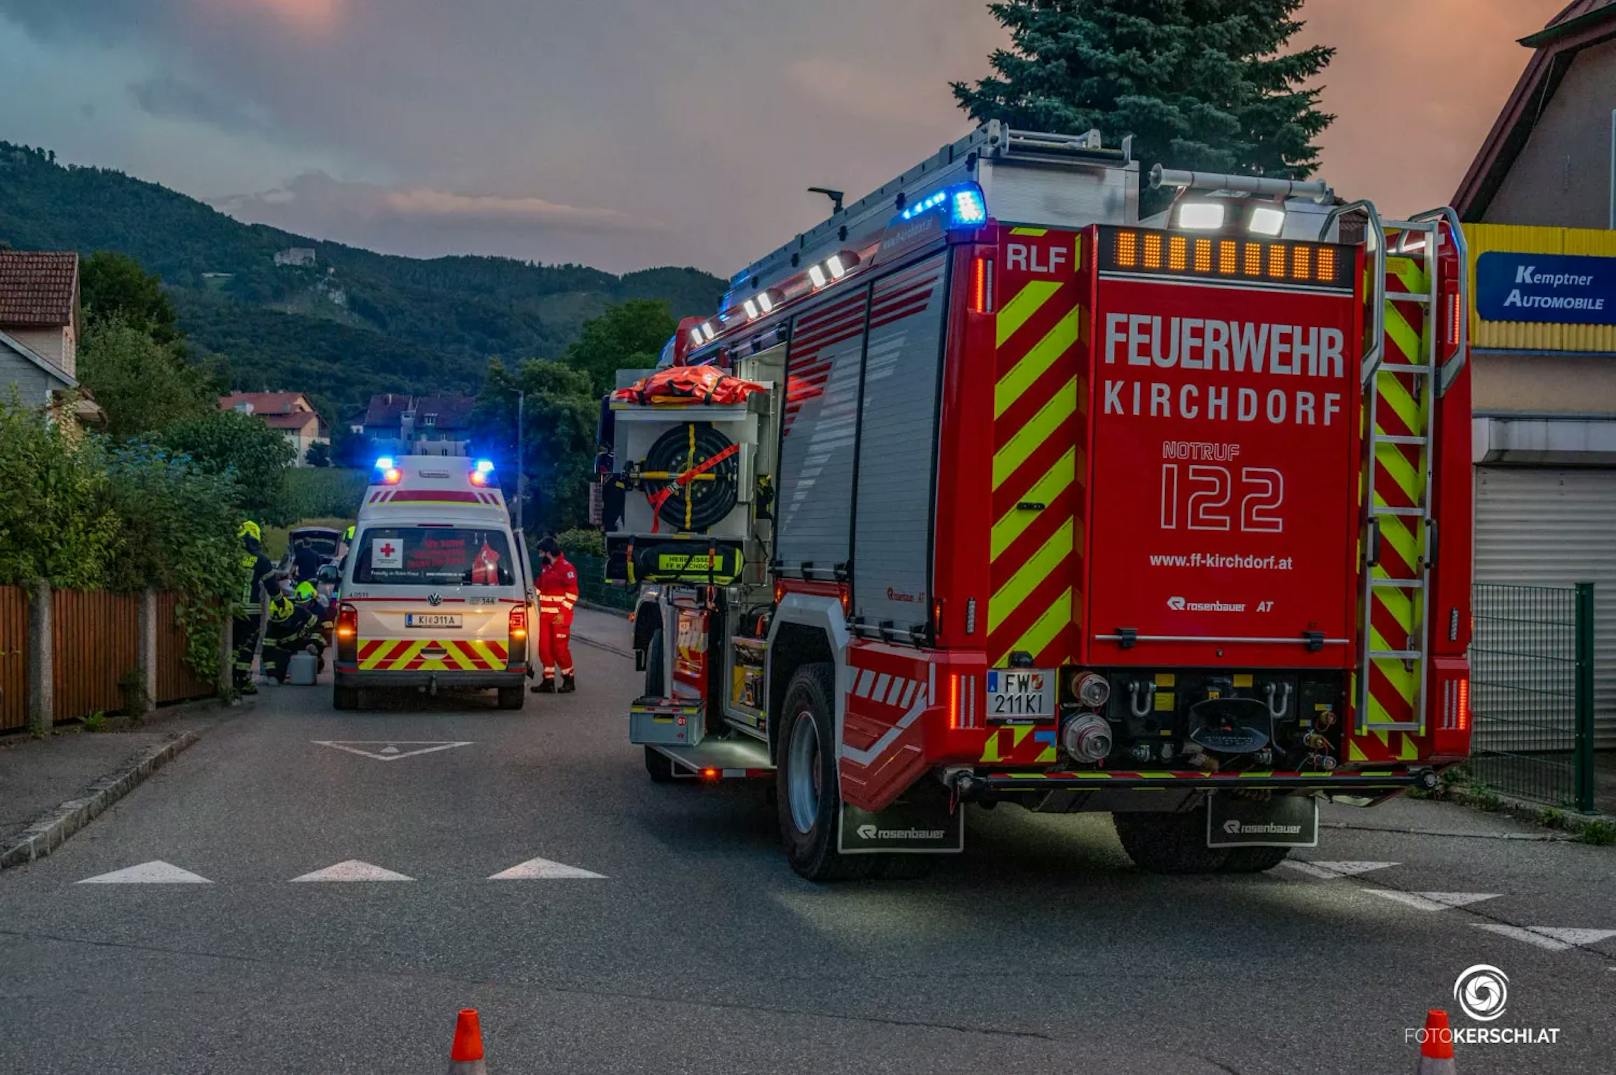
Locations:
289 412
295 255
418 425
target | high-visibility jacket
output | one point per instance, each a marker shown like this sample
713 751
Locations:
558 589
255 568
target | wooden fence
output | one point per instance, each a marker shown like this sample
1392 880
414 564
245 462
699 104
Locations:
13 658
176 680
97 642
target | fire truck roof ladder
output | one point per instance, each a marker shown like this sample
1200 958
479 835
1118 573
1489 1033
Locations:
1013 167
1403 396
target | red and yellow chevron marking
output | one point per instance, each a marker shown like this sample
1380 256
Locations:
1020 744
1039 427
1397 479
431 655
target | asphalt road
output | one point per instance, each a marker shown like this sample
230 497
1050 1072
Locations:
1039 949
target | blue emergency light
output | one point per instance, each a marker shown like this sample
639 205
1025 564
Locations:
485 466
964 204
384 463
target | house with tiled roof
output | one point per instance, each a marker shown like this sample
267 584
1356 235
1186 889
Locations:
39 324
289 412
419 425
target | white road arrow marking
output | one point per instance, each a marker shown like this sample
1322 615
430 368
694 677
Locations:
155 872
1432 901
542 870
353 870
390 747
1331 870
1554 938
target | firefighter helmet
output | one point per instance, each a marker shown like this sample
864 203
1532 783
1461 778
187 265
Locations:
305 592
347 535
249 529
280 608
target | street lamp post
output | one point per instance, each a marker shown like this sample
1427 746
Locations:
521 457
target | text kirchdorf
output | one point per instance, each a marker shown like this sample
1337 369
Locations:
1212 346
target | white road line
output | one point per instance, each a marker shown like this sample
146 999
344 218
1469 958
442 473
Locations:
1432 901
155 872
1554 938
542 870
353 870
1332 870
389 747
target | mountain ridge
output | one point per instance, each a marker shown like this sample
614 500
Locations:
358 320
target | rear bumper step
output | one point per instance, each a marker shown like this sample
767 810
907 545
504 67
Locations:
988 785
719 759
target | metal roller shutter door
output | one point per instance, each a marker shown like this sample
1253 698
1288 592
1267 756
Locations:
1548 526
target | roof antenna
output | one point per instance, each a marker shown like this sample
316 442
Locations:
835 197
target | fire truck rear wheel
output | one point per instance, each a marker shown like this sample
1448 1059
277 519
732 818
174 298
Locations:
655 681
1254 859
806 798
512 697
1169 843
344 697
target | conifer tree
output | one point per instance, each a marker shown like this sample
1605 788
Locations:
1201 84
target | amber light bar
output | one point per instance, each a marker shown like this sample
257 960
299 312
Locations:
1286 261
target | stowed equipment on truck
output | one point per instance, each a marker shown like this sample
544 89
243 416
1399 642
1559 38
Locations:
983 490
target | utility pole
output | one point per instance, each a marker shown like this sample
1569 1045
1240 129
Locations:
521 458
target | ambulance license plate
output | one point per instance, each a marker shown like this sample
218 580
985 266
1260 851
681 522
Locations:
1021 694
431 619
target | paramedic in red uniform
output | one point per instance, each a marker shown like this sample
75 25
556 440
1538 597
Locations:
558 593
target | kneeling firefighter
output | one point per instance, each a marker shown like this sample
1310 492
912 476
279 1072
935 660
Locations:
292 628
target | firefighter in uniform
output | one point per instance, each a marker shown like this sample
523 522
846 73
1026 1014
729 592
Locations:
558 594
256 570
292 628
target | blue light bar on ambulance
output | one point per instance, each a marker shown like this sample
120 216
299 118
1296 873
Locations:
384 463
485 466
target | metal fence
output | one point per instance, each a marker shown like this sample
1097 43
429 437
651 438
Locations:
1531 674
592 585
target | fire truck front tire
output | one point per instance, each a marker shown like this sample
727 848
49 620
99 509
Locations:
806 794
1169 843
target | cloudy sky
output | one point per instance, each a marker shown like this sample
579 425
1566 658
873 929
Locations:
628 133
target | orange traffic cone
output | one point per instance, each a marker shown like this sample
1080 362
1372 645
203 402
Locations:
466 1055
1436 1046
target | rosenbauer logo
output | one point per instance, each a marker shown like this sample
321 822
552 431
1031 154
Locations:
1236 827
1179 604
871 832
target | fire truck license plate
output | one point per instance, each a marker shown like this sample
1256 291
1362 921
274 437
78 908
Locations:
1021 694
431 619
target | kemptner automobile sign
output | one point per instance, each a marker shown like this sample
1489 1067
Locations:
1556 288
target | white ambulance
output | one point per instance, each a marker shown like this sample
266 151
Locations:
436 588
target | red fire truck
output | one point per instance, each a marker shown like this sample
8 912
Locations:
985 490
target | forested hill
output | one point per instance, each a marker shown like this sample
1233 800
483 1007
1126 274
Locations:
353 322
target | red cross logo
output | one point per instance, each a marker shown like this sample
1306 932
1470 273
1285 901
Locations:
388 550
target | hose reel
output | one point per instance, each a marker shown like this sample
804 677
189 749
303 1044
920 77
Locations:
691 477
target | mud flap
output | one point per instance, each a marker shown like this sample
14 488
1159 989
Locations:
919 825
1283 821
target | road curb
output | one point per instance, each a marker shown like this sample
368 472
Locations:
53 829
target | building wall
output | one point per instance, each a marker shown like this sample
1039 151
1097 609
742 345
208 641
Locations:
1562 175
52 344
33 384
1523 367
